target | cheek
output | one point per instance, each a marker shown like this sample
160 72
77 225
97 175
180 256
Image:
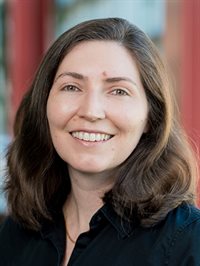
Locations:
137 119
132 122
52 116
58 113
130 114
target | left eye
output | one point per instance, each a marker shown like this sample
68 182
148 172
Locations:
70 88
119 92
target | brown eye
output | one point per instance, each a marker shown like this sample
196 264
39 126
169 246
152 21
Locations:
70 88
119 92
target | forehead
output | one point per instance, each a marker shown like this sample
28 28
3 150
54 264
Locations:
106 56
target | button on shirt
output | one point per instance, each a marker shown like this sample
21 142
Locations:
110 241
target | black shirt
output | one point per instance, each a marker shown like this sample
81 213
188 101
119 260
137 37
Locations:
110 242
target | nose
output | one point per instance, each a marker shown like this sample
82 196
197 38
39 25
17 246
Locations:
91 107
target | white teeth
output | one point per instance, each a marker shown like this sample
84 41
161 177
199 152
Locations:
80 135
86 136
102 137
90 136
98 137
106 137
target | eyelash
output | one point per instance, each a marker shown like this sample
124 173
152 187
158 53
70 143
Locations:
119 92
71 88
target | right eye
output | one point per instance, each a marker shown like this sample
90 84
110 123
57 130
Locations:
70 88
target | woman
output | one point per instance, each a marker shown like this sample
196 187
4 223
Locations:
99 171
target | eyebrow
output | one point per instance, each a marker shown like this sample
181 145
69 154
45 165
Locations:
71 74
82 77
117 79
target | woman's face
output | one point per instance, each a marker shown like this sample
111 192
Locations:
97 108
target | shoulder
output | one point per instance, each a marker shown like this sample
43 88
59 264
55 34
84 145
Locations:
13 239
184 237
184 217
10 229
185 214
21 246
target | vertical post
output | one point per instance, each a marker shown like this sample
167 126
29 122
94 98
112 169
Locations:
27 39
190 66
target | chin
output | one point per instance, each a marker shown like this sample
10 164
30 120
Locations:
90 168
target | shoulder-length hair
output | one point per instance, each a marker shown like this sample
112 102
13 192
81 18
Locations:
157 176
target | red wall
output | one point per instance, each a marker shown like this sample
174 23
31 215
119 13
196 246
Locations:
190 70
29 26
182 48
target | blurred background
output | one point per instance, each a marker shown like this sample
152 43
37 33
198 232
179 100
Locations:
28 27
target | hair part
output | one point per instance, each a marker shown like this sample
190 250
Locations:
157 176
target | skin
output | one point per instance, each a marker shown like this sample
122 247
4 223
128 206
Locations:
97 89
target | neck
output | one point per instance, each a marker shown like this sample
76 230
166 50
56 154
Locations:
84 200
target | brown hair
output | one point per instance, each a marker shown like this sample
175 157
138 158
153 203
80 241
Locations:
157 176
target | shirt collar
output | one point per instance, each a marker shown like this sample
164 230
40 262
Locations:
124 228
57 224
106 213
55 232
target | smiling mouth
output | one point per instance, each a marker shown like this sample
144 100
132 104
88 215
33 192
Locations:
93 137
